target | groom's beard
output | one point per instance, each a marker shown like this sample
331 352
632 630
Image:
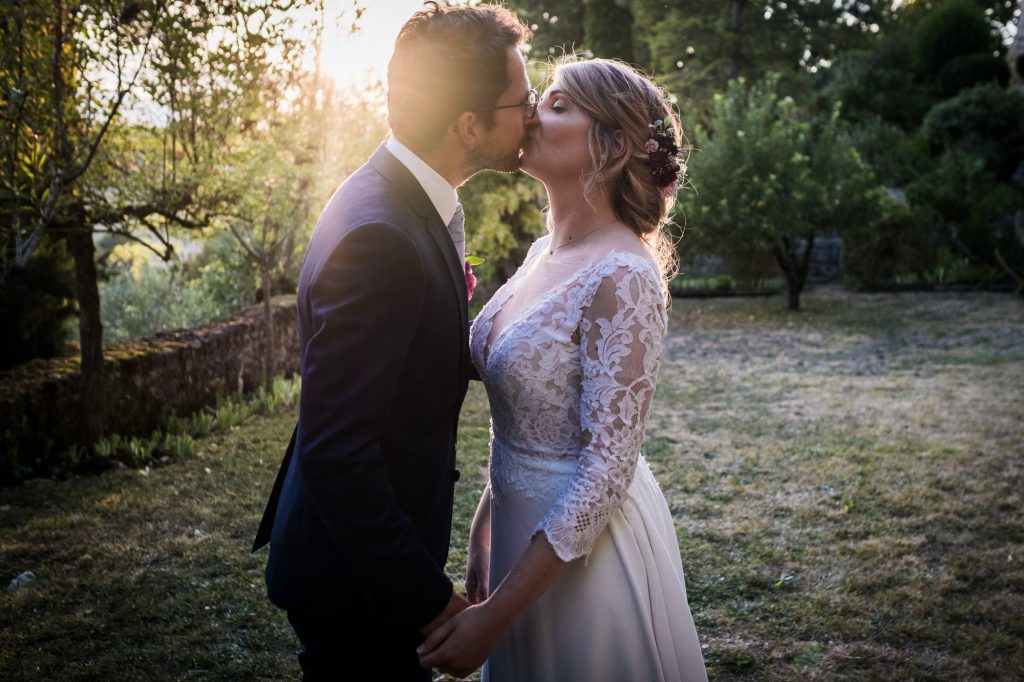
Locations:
505 161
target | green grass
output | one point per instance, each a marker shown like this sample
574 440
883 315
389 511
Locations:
846 483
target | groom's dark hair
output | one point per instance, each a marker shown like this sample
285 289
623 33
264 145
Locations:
448 60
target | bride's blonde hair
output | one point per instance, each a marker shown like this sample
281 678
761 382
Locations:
617 97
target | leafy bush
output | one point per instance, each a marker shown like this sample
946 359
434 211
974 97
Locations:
985 122
177 439
36 305
952 29
142 296
973 210
877 84
896 157
971 69
899 247
769 177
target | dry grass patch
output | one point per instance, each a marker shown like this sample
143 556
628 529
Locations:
846 483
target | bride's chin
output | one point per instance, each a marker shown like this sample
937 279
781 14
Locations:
527 166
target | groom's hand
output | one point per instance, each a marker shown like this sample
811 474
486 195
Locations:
456 604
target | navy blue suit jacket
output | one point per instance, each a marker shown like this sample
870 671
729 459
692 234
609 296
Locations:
361 510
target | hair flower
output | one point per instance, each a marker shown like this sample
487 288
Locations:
662 157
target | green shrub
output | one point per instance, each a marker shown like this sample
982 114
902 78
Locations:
37 305
973 210
769 177
179 445
896 157
202 424
876 84
972 69
984 122
230 414
899 247
952 29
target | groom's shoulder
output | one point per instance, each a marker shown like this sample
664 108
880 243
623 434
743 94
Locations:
364 201
365 197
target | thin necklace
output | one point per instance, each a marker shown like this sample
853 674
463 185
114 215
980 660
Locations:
586 234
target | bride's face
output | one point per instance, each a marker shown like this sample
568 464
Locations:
556 139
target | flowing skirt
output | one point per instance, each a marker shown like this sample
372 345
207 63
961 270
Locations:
621 615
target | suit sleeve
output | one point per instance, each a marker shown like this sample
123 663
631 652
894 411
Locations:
365 306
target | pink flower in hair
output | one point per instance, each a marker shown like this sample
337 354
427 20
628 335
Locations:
669 190
651 146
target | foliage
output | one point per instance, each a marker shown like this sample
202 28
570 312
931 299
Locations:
608 29
952 29
984 122
141 301
899 247
768 178
35 304
504 217
967 70
969 190
895 156
557 25
963 198
697 46
876 84
177 439
65 73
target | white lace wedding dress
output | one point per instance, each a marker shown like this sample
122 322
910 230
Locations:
570 382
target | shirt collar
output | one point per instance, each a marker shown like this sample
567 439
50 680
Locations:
441 194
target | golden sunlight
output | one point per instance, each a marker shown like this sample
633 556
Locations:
361 57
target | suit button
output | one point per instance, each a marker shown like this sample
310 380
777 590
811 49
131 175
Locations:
456 475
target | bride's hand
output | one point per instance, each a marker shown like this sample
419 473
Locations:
462 644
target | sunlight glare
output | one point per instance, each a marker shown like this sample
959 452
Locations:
361 58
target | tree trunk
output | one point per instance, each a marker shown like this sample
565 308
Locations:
90 329
735 17
1015 55
268 328
794 269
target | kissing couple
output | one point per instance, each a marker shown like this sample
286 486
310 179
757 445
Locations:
573 571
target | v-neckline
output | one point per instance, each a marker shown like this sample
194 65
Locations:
491 344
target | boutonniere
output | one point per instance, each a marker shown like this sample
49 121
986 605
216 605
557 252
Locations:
470 277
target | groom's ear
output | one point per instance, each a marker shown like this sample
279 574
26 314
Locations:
468 128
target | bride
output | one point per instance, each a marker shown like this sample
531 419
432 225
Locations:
574 567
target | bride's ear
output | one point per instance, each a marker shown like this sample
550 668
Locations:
618 144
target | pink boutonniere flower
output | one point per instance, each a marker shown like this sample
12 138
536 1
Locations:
470 281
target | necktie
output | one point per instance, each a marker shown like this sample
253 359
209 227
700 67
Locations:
457 229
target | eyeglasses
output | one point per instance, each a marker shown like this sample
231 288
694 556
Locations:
532 98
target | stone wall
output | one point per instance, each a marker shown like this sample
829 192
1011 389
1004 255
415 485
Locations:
178 371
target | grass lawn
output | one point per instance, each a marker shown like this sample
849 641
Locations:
846 482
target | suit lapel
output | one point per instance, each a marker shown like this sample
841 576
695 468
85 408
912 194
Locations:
385 163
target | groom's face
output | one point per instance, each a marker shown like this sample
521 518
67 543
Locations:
501 144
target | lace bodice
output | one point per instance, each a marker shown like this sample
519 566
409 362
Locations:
570 382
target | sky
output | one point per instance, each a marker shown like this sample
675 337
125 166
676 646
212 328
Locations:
362 57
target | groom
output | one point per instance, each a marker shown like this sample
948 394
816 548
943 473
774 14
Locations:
360 515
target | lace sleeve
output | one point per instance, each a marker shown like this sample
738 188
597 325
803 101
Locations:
621 334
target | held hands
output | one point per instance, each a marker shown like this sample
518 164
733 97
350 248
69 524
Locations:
461 645
455 604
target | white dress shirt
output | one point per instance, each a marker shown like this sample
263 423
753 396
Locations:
442 195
